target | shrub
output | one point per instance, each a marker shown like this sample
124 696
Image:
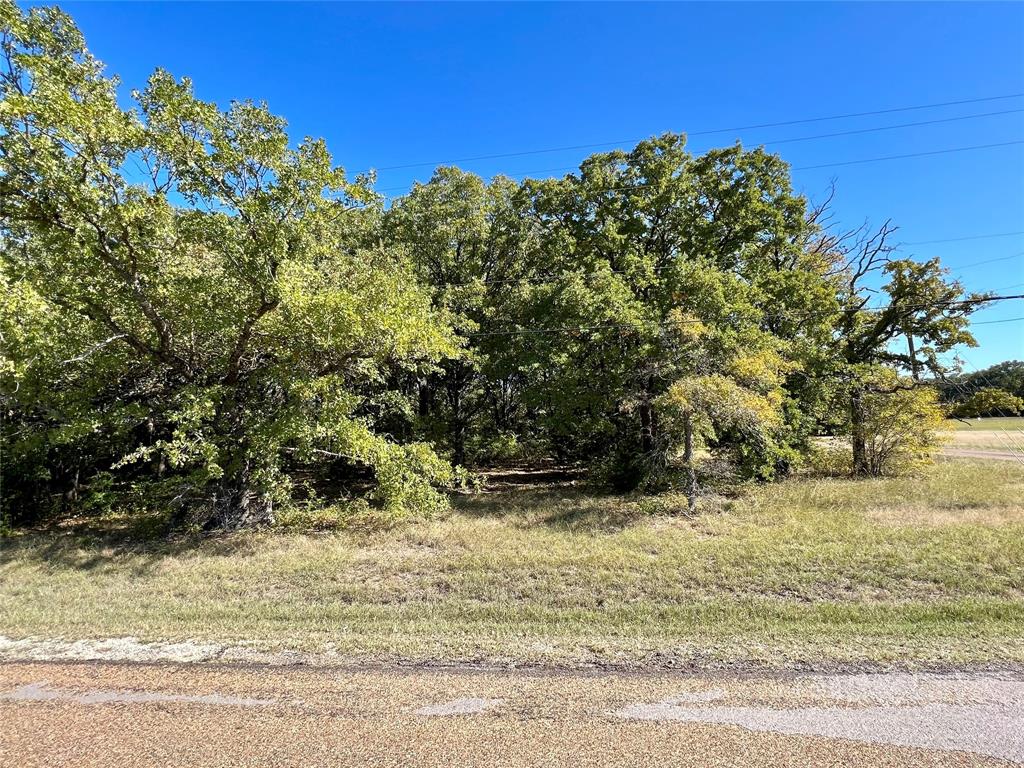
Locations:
902 429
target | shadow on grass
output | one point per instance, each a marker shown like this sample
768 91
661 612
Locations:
141 542
556 497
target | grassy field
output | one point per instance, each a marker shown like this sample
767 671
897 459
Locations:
997 434
1009 423
927 570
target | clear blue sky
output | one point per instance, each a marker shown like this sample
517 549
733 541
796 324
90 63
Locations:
406 83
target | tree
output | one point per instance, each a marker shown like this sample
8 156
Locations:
989 401
190 292
917 305
638 239
1008 376
467 240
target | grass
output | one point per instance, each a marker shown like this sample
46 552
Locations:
1009 423
928 570
994 434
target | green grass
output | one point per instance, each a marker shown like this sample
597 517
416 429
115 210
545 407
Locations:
922 570
1008 423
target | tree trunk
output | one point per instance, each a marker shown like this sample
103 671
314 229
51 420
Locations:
459 443
915 372
857 435
238 504
425 398
646 428
691 474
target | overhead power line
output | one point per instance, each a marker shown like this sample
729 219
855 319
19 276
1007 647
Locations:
911 154
1005 320
969 237
949 150
989 261
710 132
818 136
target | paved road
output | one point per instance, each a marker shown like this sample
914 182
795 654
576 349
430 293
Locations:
103 714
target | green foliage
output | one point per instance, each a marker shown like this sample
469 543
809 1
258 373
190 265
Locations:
902 429
197 310
1008 375
989 401
922 308
189 296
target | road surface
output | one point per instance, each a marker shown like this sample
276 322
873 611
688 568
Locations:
132 714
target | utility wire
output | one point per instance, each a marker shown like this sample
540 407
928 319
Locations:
711 132
860 161
990 261
911 154
817 136
1005 320
969 237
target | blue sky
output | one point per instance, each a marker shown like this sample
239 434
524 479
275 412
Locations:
393 84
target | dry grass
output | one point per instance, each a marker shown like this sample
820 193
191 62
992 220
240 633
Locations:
927 569
988 440
1009 423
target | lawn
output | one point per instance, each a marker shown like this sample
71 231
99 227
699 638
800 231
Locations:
928 570
1008 423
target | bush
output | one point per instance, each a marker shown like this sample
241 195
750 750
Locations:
902 430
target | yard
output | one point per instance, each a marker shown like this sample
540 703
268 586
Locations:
917 571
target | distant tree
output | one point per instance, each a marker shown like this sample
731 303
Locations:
988 402
1008 376
469 241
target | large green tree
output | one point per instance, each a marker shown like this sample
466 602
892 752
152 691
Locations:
644 241
189 296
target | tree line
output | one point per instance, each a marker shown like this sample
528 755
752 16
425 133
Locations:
197 312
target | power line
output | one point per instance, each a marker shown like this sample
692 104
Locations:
825 135
1006 320
912 154
710 132
946 151
969 237
990 261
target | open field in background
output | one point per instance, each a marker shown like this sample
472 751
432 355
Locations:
927 569
996 434
1009 423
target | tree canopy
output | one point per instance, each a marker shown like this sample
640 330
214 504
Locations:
198 311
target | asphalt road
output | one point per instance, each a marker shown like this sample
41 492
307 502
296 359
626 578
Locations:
130 714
